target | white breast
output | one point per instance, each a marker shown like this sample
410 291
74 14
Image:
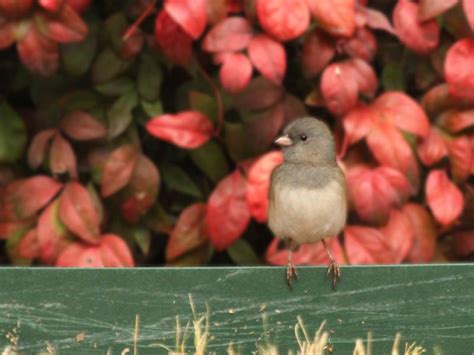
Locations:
307 215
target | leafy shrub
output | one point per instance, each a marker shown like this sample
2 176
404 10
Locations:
137 132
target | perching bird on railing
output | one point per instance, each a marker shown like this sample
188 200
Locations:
308 200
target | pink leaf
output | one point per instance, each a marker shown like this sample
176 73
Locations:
283 19
374 192
80 125
67 26
424 242
336 17
229 35
318 50
459 71
362 45
187 129
444 198
236 72
365 245
258 184
38 147
62 158
118 169
189 233
400 235
433 148
468 6
377 20
227 212
78 212
269 57
429 9
189 14
420 37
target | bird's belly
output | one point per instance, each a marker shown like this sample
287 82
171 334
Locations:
308 215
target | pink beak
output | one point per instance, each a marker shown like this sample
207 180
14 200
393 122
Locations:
283 141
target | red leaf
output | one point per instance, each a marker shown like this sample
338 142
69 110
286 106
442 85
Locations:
174 42
461 157
420 37
236 72
62 158
390 148
81 126
437 100
52 234
459 71
366 245
429 9
269 57
433 148
28 247
444 198
189 233
336 17
468 6
377 20
283 19
132 45
15 8
456 121
112 251
189 14
424 242
463 243
38 53
260 94
358 123
307 254
318 50
7 229
142 190
258 184
118 169
362 45
187 129
229 35
227 212
403 112
23 198
374 192
79 5
341 83
399 234
7 34
78 213
51 5
38 146
67 26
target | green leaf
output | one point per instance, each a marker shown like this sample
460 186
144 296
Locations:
234 136
116 87
76 58
142 237
149 78
393 77
115 25
211 160
178 180
152 109
79 100
242 253
120 113
108 66
12 134
203 103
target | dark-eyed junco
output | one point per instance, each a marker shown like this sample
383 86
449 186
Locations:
308 191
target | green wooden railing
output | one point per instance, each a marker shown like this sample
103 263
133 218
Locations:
135 311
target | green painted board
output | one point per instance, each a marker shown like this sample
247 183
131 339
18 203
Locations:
89 311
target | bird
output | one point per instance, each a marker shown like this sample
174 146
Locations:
308 194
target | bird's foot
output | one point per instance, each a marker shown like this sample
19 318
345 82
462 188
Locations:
335 270
291 275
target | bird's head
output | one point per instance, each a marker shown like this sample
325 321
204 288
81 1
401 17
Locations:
307 140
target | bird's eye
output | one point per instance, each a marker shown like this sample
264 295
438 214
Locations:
303 137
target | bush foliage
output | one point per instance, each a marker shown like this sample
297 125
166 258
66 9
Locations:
140 132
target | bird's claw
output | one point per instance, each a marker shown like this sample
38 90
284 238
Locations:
291 275
336 273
